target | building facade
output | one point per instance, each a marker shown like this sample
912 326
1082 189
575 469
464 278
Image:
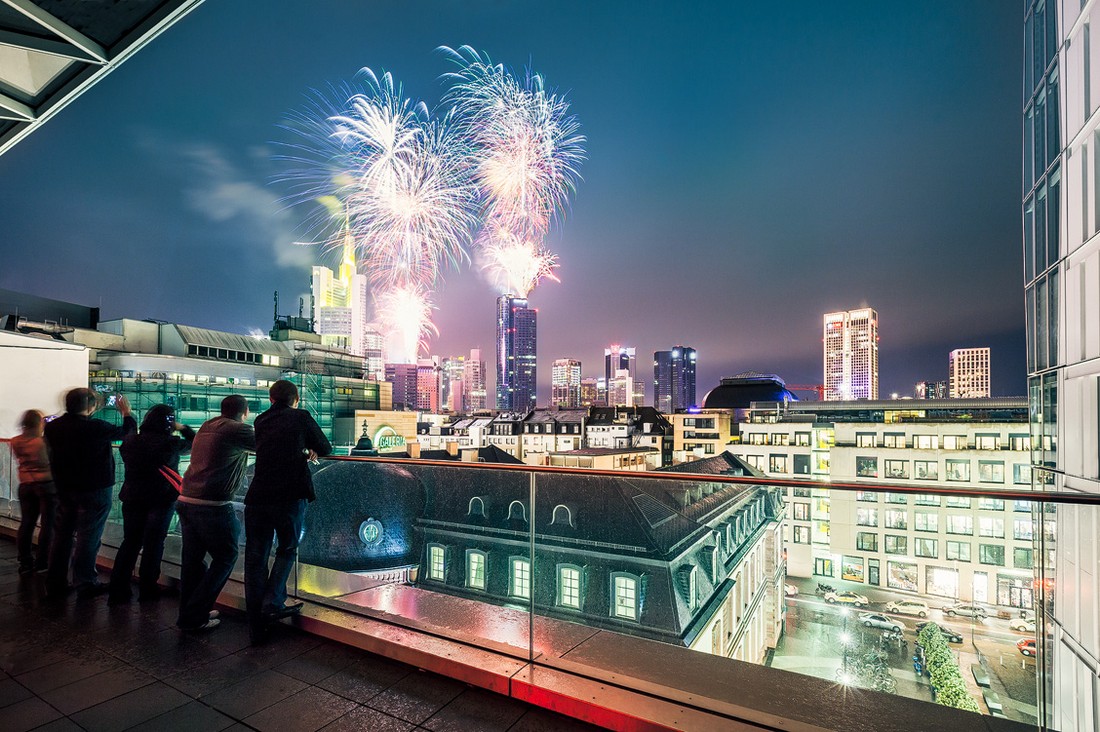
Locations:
473 382
565 383
1061 220
674 379
402 378
980 550
623 358
851 354
516 348
968 373
931 390
339 304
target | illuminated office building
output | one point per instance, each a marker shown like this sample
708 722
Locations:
623 358
968 373
473 382
674 379
851 355
565 383
340 306
516 347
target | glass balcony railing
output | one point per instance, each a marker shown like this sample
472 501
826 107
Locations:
683 585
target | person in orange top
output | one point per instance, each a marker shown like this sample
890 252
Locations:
37 494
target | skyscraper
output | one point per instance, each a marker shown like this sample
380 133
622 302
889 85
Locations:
339 304
624 358
403 378
674 379
851 355
1062 308
565 383
516 345
428 384
473 382
968 373
590 392
452 394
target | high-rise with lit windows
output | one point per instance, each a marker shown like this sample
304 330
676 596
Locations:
968 373
565 383
516 346
851 354
339 306
674 379
1061 222
624 358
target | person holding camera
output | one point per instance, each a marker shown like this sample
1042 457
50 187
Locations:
83 467
149 492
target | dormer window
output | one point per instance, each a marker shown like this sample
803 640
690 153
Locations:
477 507
516 510
562 516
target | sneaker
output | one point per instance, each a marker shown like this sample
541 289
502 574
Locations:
208 625
214 614
25 569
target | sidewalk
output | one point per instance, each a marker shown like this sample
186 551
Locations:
80 665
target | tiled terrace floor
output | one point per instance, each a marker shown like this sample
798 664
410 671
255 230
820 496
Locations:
81 665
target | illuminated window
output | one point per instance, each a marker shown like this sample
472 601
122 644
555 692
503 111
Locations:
519 584
959 550
569 586
624 596
475 569
993 528
437 562
896 519
867 517
926 521
926 442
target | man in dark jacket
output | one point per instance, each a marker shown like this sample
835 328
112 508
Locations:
219 456
287 438
83 467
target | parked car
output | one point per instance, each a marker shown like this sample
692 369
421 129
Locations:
846 598
790 590
1027 614
1026 646
966 611
949 635
878 620
1022 626
908 607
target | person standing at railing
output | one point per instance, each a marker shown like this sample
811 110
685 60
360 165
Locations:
148 495
37 494
287 439
83 467
219 457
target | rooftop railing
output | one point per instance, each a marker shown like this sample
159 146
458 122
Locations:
772 604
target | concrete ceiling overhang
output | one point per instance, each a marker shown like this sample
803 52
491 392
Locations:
51 51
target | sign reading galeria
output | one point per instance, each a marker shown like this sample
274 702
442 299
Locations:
387 439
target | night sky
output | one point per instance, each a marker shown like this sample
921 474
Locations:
751 167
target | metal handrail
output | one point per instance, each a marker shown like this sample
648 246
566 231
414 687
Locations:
1089 499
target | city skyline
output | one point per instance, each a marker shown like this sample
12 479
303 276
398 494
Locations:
168 170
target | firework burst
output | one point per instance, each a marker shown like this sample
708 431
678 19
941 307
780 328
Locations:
514 264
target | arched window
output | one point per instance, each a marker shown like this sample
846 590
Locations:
626 601
519 579
562 515
477 507
569 590
516 510
475 569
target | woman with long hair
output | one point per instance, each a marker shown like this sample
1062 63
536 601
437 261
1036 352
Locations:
149 492
37 494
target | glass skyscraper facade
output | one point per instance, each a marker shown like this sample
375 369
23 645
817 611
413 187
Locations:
516 346
674 379
1061 222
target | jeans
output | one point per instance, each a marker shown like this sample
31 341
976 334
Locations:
85 514
263 589
35 500
212 530
144 527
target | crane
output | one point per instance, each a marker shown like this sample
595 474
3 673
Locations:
818 389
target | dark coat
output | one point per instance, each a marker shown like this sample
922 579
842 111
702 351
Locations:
144 454
283 434
80 451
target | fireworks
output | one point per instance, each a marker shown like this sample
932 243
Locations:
412 188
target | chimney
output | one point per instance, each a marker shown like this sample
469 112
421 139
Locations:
452 449
469 455
413 448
